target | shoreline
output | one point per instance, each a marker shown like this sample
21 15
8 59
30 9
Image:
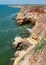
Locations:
33 15
20 6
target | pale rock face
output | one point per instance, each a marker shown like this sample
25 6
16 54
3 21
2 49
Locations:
42 57
17 40
21 43
40 25
25 61
19 53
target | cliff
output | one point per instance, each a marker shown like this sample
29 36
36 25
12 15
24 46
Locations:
35 15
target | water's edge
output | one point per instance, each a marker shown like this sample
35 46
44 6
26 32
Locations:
8 31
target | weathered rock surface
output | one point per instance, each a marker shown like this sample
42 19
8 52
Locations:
21 43
29 14
42 57
37 16
39 58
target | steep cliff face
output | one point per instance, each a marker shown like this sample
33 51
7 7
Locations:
37 16
29 14
35 58
40 28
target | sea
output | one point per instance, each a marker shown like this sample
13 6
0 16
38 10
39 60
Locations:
8 31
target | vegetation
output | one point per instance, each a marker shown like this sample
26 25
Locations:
40 45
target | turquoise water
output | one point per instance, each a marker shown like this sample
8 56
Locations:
8 31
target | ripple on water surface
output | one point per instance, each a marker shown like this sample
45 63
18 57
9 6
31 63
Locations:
8 31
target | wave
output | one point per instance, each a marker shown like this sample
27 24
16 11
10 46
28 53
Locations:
30 30
6 18
12 29
5 30
12 15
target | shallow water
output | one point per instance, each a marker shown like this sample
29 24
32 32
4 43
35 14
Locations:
8 31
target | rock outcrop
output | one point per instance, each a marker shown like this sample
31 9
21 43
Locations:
29 14
34 15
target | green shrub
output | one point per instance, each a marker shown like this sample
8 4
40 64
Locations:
40 45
